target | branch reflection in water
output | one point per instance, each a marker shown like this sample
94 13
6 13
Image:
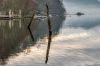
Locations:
50 34
31 34
29 27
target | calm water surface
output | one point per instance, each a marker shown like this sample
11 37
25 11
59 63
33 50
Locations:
75 42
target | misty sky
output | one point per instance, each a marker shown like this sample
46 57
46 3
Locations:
86 6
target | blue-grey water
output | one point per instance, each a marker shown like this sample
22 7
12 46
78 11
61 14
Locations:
75 39
77 44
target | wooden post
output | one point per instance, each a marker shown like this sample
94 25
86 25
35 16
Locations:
50 34
10 14
19 23
10 24
20 13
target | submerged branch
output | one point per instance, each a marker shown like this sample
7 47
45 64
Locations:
31 34
29 27
31 20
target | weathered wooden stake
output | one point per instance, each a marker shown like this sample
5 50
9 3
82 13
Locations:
10 14
50 34
20 13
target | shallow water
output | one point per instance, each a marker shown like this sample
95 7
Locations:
75 40
75 43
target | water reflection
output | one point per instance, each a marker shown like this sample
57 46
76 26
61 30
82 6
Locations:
86 21
78 46
29 27
10 23
70 46
87 7
9 38
16 39
31 34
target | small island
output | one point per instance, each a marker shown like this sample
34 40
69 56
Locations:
79 14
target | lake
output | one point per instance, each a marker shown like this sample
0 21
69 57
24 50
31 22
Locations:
74 41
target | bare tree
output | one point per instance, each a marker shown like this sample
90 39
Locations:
27 6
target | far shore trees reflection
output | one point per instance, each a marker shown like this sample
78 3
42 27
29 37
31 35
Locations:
15 39
10 38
